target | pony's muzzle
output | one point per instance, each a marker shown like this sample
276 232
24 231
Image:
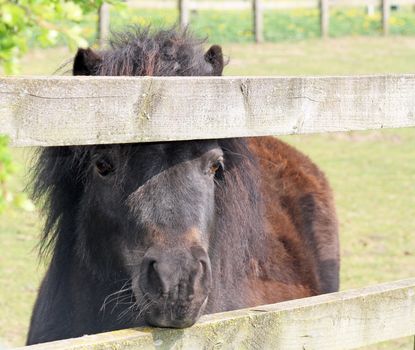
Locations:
176 282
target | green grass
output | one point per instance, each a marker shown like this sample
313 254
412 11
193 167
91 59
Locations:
372 174
20 272
279 25
298 24
342 56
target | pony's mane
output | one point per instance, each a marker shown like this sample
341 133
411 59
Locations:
58 177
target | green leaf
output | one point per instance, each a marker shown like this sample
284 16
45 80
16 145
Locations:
43 23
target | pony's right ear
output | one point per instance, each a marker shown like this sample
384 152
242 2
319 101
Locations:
86 62
214 56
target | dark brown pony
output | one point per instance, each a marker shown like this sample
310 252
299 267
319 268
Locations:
161 233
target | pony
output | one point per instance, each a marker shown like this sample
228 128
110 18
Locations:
161 233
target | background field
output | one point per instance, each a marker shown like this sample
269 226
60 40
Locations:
297 24
230 26
372 173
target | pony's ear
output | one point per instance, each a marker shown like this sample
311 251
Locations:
86 62
214 56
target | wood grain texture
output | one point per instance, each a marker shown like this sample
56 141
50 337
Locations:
344 320
98 110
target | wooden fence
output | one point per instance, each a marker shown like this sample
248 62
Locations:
94 110
344 320
258 8
97 110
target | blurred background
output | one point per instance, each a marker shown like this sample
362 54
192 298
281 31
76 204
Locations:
372 173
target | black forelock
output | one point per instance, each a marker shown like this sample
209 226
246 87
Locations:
142 51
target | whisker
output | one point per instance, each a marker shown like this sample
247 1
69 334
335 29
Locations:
121 301
116 295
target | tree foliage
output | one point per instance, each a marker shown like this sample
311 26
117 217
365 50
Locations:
25 23
35 23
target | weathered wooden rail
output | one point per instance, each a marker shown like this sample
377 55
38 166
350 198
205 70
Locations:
97 110
344 320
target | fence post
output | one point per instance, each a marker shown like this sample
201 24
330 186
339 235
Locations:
258 21
385 16
184 13
370 10
324 18
103 24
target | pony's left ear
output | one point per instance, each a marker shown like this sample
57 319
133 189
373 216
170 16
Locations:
86 62
214 56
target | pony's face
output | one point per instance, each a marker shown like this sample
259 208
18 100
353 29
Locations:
151 209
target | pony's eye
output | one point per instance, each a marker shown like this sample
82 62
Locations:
216 167
104 167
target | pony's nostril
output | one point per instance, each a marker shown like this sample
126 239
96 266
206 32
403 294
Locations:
204 272
179 279
153 265
152 269
151 281
203 266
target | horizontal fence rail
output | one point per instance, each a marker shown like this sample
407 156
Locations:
101 110
344 320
